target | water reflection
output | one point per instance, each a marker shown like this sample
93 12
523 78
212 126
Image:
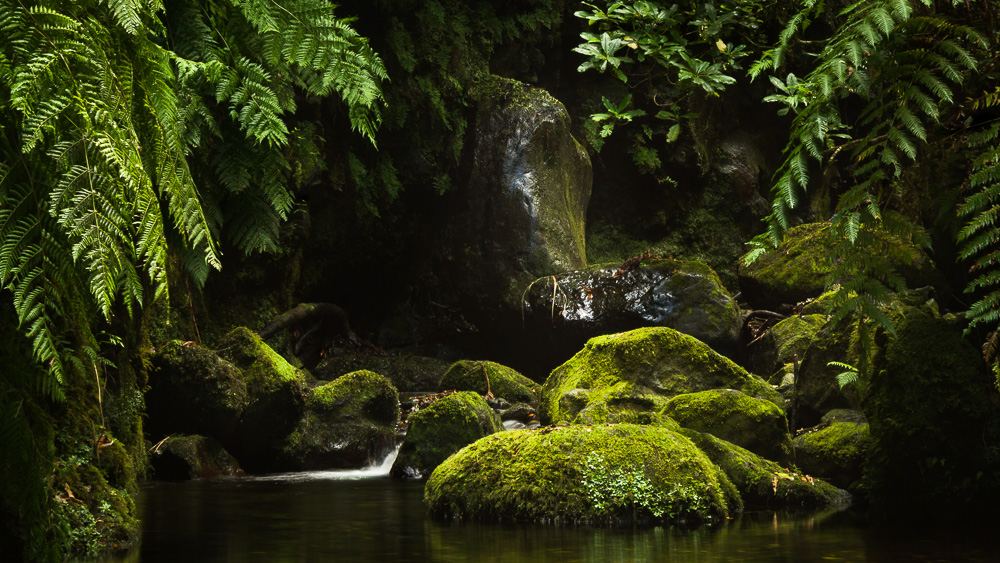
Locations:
309 517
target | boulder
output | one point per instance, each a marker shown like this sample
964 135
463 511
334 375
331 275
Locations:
567 309
275 391
629 377
835 452
817 388
488 377
610 474
193 391
181 458
406 372
799 268
764 483
441 429
748 422
349 422
785 343
525 201
933 426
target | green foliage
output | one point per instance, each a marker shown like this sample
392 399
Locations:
664 53
882 83
980 236
127 128
847 377
100 123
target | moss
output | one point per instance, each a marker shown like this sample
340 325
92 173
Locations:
180 458
264 370
927 408
794 271
91 515
194 391
407 372
764 483
756 425
275 391
441 429
836 452
484 376
786 343
608 474
641 363
348 423
360 394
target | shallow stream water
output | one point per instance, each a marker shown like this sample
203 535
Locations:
365 516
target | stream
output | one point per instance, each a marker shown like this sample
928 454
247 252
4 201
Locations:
363 515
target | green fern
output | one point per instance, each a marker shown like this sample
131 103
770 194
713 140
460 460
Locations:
980 237
102 105
905 66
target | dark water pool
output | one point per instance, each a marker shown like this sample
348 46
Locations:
354 517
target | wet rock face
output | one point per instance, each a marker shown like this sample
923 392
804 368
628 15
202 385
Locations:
683 295
527 195
180 458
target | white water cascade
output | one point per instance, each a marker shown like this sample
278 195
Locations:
375 470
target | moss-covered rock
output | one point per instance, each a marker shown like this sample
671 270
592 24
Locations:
801 265
817 387
836 452
757 425
681 294
785 343
928 408
96 515
441 429
181 458
485 376
796 270
587 474
193 391
349 422
275 391
406 372
631 374
761 482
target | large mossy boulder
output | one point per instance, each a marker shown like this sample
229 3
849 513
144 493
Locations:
799 268
757 425
181 458
349 422
836 452
194 391
407 372
275 391
685 295
441 429
764 483
488 377
611 474
631 374
932 425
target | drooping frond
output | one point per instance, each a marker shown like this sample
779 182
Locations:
980 236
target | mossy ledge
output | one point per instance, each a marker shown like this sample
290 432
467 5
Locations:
488 377
609 474
654 361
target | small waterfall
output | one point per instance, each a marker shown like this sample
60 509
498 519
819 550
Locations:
375 470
